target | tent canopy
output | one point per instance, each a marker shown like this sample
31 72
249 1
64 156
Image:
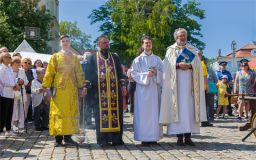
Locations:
34 56
27 51
24 47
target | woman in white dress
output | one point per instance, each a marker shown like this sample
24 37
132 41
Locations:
20 96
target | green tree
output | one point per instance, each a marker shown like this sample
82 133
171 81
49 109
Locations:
15 15
5 31
126 21
80 40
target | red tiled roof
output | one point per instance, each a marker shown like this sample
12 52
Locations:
252 64
245 51
241 53
249 46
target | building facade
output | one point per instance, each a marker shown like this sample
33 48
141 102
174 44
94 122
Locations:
248 51
53 7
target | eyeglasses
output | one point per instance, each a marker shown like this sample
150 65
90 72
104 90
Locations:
27 63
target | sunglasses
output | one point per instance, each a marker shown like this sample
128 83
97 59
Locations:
27 63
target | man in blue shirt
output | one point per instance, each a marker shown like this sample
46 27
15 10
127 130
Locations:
219 74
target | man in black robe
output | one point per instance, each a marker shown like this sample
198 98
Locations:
105 74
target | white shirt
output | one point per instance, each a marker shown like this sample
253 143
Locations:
7 81
22 75
37 97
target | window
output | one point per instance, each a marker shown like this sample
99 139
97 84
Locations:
253 52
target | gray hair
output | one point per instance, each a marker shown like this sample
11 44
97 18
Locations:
3 49
40 70
179 30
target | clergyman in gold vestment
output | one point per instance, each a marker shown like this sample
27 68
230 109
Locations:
64 73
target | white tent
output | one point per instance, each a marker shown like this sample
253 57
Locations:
24 47
27 51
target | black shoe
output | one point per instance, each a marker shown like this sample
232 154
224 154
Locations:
57 144
206 124
180 143
245 127
153 143
145 143
239 118
189 142
118 143
39 129
44 128
103 143
210 124
70 142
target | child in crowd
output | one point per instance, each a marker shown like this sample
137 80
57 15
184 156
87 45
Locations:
222 97
40 101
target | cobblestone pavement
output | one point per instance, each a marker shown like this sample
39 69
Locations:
223 141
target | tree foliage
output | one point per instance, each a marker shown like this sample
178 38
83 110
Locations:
79 39
15 15
125 21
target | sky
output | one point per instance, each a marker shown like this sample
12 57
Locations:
225 21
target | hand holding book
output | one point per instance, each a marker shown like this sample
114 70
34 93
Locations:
185 56
184 65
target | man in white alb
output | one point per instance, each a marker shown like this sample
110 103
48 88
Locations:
146 71
183 97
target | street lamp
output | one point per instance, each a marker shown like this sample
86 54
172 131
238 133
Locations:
233 47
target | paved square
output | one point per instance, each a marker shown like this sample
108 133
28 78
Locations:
223 141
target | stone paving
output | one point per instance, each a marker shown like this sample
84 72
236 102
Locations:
223 141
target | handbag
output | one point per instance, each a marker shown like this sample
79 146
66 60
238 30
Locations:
212 88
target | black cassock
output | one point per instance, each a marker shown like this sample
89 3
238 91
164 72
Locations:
91 74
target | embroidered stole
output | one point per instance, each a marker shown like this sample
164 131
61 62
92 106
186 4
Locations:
108 94
195 85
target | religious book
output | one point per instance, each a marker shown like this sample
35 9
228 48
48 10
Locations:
185 56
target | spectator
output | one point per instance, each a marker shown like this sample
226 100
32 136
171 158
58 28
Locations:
243 85
39 98
219 74
37 63
26 65
20 97
8 86
222 97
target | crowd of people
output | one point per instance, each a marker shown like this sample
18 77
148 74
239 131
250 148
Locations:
178 92
20 94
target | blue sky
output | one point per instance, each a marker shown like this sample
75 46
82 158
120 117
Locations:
225 20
